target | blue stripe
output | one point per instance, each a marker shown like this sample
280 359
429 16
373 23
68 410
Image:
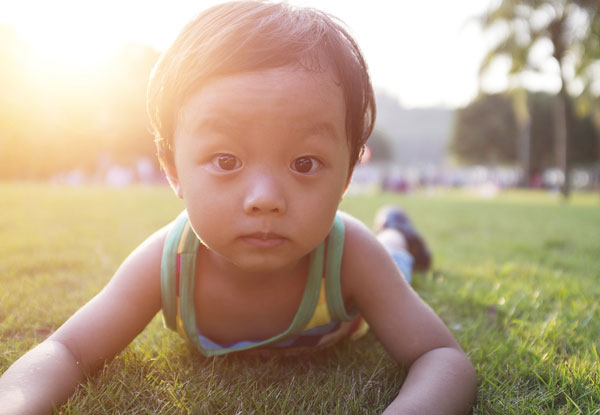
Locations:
308 337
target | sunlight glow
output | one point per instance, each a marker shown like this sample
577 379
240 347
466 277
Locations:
426 54
406 54
61 39
62 46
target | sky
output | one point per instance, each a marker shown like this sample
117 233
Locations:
425 53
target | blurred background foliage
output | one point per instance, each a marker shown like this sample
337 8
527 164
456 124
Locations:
486 132
560 37
56 119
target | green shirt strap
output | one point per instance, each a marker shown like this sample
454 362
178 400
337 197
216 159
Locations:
333 288
168 272
187 307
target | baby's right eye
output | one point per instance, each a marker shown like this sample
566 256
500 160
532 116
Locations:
226 162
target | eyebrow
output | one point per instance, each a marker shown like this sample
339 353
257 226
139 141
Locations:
218 124
322 128
225 124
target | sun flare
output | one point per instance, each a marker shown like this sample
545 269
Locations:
67 33
62 46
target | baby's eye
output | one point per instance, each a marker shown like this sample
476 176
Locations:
226 162
305 164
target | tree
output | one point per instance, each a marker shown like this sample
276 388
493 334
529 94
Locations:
57 118
568 26
484 132
380 146
14 55
127 127
487 132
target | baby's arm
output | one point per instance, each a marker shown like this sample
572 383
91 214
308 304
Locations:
49 373
440 378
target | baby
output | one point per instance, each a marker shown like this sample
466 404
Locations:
261 112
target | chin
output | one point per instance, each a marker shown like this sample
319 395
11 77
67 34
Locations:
270 263
263 266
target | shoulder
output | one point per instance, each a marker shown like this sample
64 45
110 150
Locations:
364 258
147 256
357 233
151 248
143 263
360 243
141 270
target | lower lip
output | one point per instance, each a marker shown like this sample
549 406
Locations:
263 243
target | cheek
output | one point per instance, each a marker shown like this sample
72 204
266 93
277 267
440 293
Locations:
319 202
210 221
207 203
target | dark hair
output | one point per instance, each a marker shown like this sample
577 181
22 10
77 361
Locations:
245 36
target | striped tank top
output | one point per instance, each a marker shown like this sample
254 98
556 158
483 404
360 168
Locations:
321 319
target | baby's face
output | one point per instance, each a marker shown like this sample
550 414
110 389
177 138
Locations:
261 162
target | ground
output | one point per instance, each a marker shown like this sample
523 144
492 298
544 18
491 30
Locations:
515 278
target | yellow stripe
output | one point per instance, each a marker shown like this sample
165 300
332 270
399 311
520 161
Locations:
321 315
361 330
179 323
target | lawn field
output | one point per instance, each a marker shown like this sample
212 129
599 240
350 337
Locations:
515 278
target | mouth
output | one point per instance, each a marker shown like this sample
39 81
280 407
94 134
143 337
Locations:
263 239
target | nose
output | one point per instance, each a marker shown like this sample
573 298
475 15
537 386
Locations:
264 195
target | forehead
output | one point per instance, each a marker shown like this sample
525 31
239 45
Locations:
286 96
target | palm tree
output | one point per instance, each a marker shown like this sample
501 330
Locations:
569 27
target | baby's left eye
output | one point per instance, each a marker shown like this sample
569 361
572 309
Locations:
305 164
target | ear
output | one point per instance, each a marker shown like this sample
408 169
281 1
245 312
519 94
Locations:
172 178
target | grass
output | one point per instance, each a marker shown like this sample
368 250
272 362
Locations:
516 279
